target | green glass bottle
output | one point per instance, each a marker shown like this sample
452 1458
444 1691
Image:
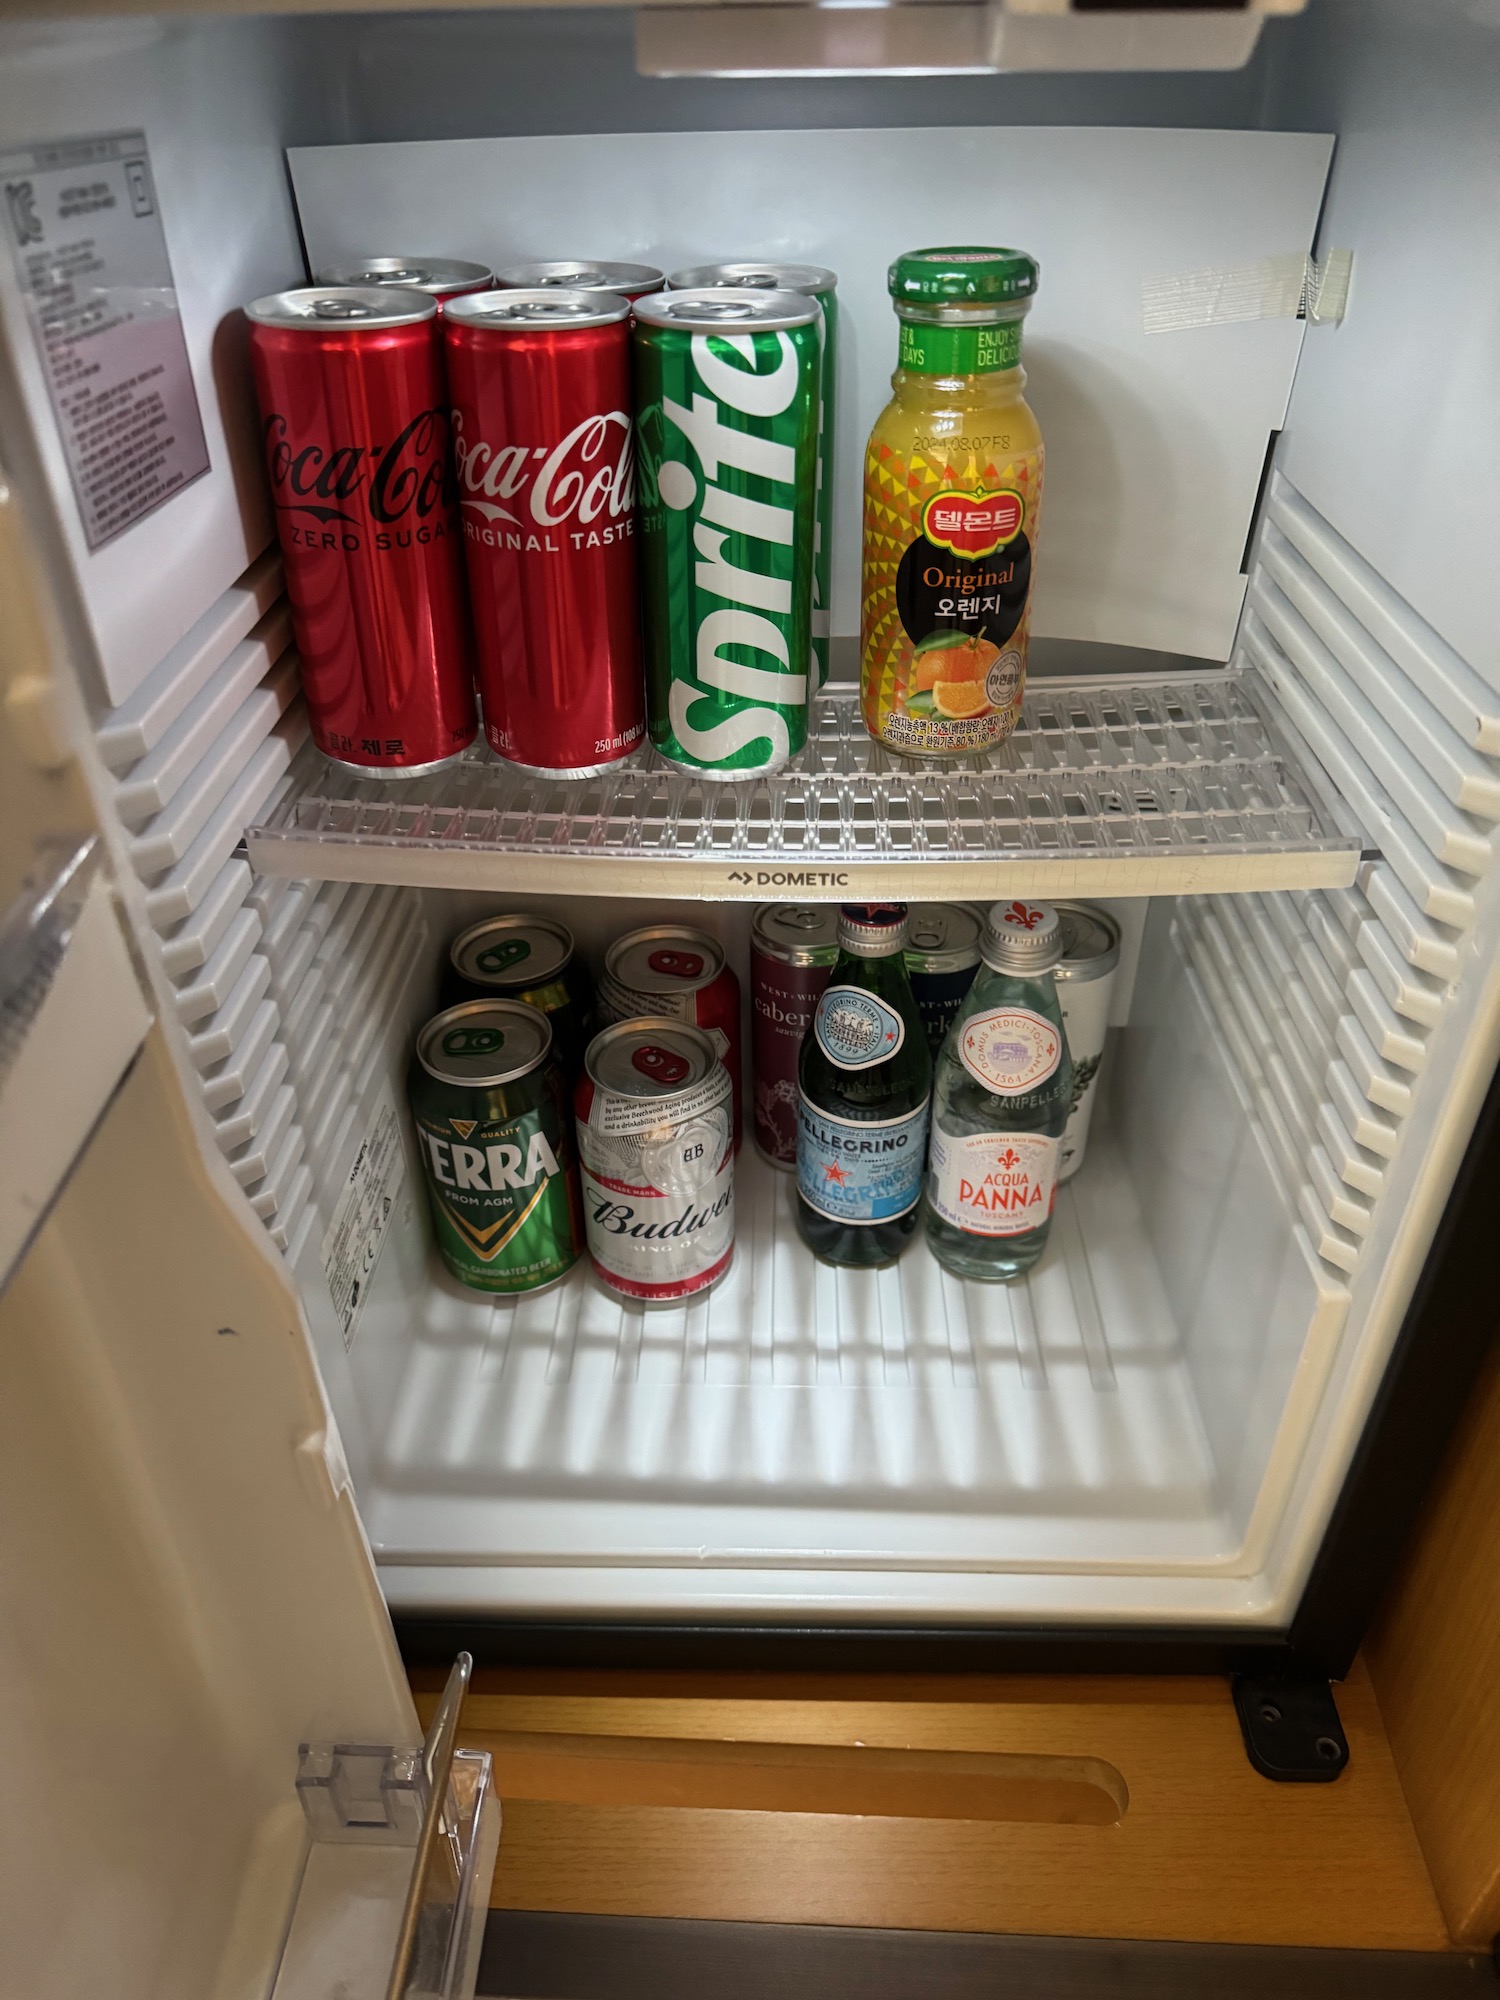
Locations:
1001 1097
864 1084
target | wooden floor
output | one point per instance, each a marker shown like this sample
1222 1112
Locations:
1094 1808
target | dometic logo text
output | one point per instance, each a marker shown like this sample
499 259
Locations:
490 1169
791 878
529 490
757 613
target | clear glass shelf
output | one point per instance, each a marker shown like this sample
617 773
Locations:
1179 784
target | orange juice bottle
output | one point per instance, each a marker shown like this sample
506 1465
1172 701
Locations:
953 488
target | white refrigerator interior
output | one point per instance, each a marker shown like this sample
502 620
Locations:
1265 727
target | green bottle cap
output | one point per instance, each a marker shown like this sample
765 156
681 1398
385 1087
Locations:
960 274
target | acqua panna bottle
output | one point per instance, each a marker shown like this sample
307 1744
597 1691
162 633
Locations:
1001 1097
864 1082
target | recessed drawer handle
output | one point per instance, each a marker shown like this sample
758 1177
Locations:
805 1778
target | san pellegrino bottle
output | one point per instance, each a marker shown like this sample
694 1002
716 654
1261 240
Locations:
864 1082
1001 1097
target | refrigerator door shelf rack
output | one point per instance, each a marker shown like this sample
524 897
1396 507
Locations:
1180 784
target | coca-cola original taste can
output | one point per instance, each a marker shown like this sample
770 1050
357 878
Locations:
658 1162
354 415
676 970
544 448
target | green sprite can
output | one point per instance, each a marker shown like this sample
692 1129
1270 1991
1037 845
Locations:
726 399
495 1132
814 282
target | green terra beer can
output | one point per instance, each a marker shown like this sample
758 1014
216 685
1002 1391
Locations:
726 398
814 282
495 1132
517 957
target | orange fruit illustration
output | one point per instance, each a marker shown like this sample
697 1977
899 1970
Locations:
968 662
959 698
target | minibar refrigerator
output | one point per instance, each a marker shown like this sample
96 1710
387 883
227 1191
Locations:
258 1449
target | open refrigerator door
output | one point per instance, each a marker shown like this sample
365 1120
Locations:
1264 751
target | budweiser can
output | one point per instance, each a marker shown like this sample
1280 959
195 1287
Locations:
545 455
673 970
658 1163
439 277
792 951
631 281
354 415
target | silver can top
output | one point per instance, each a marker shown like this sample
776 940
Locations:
579 274
797 933
327 308
1090 942
815 280
664 958
512 951
872 930
652 1058
943 937
485 1042
724 309
1021 936
437 276
540 309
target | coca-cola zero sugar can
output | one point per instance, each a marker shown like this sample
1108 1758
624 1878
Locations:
355 426
544 447
675 970
439 277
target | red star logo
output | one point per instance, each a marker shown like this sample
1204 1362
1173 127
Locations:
835 1173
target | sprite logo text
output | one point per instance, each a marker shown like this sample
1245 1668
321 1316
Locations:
743 645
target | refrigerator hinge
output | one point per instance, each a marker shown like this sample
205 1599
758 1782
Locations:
1291 1729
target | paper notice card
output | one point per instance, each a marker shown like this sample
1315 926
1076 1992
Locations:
85 232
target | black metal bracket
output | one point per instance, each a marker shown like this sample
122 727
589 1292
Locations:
1291 1729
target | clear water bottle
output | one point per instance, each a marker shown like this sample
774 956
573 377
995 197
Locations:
864 1080
1001 1097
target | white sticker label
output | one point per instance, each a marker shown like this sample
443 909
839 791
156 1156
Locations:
84 229
1010 1050
992 1183
357 1233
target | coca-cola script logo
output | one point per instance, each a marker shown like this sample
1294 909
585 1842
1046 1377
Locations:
409 475
663 1066
676 964
590 472
973 524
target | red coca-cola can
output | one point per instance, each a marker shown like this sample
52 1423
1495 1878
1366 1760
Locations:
672 969
580 274
544 449
354 415
438 277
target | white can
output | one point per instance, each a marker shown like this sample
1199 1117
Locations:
1085 980
655 1139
